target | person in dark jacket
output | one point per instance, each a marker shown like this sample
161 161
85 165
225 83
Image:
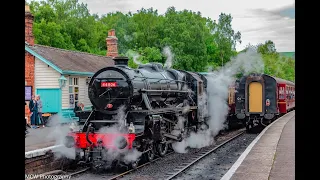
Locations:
34 112
78 107
25 121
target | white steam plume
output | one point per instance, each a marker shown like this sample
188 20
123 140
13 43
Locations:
128 38
169 55
58 133
113 154
134 55
217 97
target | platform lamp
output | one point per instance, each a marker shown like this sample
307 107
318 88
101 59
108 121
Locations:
62 81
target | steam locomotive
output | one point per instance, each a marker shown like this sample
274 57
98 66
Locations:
144 110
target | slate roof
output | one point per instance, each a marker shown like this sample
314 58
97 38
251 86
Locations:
68 60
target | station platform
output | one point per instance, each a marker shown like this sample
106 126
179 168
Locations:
39 138
271 156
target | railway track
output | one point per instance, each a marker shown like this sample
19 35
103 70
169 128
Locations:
71 174
196 157
176 171
139 167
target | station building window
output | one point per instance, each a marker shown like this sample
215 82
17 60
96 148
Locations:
73 91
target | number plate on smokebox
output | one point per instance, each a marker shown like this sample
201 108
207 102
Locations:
108 84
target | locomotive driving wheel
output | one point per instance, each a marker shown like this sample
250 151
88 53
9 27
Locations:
162 147
134 164
249 127
150 153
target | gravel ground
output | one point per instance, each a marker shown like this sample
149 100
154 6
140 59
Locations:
209 167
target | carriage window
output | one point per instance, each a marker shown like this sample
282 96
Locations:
292 92
281 93
200 88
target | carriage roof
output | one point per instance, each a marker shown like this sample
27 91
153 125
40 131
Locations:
282 81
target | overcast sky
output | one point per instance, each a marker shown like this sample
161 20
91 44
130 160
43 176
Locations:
257 20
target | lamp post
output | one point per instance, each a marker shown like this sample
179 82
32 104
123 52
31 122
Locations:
62 81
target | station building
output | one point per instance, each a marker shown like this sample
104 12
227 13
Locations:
60 76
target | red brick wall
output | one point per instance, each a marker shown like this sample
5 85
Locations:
29 59
29 76
46 163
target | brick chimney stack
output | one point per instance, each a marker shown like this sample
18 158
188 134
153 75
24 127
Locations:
112 44
29 38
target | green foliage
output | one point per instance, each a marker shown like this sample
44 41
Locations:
195 41
267 48
276 65
144 55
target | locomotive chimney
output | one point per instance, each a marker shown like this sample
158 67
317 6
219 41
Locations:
112 43
121 61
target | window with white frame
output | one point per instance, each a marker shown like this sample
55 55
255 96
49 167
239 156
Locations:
73 91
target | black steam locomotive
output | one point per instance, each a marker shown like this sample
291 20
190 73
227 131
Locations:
148 108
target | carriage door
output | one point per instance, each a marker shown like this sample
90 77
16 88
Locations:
255 97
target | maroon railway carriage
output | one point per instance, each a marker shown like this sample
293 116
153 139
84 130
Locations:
286 95
260 98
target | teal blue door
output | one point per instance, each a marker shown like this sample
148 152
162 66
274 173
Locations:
51 100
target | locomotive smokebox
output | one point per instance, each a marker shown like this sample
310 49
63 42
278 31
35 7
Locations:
122 61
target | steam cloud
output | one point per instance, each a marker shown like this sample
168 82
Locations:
134 55
128 38
113 154
58 133
218 85
169 55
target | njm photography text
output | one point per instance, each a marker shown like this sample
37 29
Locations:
42 176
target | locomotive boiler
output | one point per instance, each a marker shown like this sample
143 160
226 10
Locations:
144 109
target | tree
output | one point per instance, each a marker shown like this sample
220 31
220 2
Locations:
196 42
225 38
267 48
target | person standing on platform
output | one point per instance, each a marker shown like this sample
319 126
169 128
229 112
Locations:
25 130
39 103
34 112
